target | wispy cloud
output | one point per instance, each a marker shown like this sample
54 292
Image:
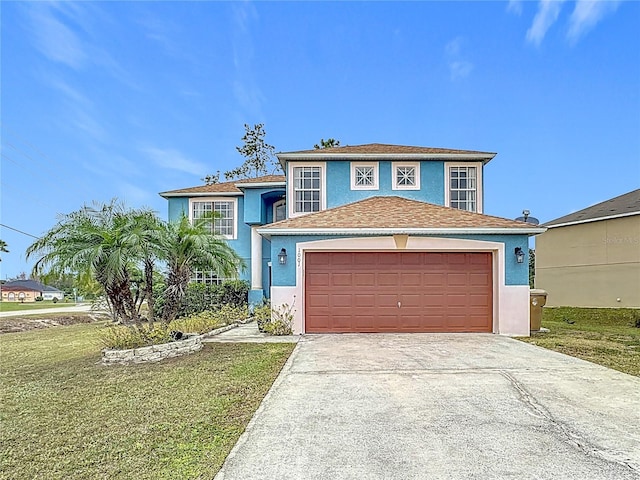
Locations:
547 14
54 39
175 160
515 6
459 66
586 14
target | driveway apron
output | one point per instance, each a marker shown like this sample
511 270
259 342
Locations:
440 406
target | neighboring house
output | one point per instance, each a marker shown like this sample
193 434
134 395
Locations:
374 238
28 291
591 258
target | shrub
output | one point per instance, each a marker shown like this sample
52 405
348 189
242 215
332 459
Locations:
39 299
123 337
281 321
201 297
55 300
262 315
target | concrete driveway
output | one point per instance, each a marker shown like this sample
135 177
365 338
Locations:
440 406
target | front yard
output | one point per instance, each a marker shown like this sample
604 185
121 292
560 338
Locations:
605 336
64 416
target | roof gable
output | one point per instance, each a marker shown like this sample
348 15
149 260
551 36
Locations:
623 205
384 213
387 151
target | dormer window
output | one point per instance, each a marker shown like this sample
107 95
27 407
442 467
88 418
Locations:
463 188
306 188
364 176
406 176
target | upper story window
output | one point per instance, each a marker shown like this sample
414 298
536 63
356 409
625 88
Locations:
364 176
225 222
308 189
406 176
463 187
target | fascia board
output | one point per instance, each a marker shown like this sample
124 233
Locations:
201 194
589 220
289 157
261 185
401 231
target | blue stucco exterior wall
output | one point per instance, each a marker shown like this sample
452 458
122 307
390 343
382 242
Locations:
178 206
285 275
339 183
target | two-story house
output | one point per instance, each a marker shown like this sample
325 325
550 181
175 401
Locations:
374 238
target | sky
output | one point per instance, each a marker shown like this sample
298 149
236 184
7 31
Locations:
103 100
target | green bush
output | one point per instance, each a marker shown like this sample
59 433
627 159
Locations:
280 321
55 300
200 297
39 299
123 337
262 315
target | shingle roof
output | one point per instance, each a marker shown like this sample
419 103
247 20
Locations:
225 187
627 204
382 149
395 212
29 285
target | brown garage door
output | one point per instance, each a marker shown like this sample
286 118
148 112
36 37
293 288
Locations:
398 292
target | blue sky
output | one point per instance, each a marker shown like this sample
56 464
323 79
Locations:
128 99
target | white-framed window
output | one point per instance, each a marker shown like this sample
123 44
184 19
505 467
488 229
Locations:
463 189
406 175
279 210
207 277
364 176
227 213
12 297
307 188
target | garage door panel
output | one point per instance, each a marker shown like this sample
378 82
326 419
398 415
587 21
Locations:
315 280
318 300
360 291
364 279
411 280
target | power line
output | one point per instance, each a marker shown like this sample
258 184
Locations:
19 231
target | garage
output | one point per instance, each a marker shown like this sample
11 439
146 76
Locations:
398 292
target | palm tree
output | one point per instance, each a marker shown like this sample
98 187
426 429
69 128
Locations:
146 236
189 246
95 241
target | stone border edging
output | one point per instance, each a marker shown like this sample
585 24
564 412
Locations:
155 353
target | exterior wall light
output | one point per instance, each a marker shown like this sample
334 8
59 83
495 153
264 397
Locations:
519 255
282 257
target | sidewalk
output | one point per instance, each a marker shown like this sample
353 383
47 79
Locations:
43 311
249 333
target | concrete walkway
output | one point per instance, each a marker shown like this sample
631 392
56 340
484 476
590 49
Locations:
249 333
85 307
421 406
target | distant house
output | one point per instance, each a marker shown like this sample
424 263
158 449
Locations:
28 290
591 258
373 238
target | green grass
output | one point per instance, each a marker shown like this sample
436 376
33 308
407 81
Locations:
18 307
605 336
64 416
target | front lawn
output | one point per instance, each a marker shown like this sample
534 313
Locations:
605 336
64 416
19 307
